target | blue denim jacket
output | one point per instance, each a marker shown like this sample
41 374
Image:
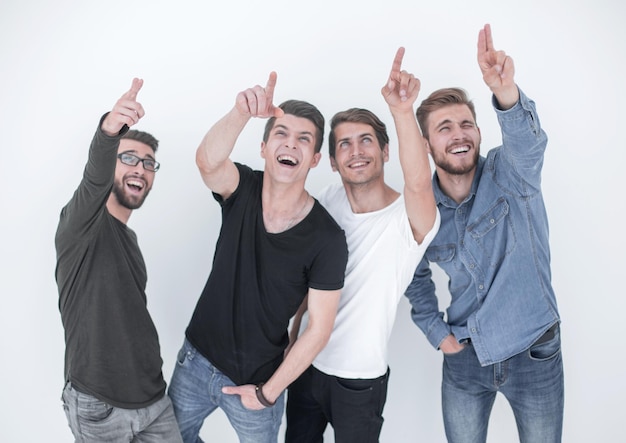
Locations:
494 248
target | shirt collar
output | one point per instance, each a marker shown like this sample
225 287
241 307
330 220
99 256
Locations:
442 199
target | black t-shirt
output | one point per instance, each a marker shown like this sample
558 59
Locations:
259 280
112 349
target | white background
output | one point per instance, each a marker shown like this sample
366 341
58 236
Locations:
64 63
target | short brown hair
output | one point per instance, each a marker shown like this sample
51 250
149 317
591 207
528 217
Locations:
440 99
357 115
300 109
143 137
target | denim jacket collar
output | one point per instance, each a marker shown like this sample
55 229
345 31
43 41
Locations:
442 199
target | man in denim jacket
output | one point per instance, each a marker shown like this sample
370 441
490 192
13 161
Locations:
501 332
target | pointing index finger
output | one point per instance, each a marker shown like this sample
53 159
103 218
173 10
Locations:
269 87
396 66
488 38
134 89
485 41
269 92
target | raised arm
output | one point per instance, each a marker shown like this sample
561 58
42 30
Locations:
212 156
400 93
498 70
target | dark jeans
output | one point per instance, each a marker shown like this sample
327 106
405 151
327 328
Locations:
353 407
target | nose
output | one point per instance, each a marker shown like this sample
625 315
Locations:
138 169
457 132
355 149
291 142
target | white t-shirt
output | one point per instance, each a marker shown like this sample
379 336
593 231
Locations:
382 257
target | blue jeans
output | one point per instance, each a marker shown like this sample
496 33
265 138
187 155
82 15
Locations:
196 391
92 420
354 408
532 383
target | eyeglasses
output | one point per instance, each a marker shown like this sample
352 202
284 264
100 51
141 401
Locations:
132 160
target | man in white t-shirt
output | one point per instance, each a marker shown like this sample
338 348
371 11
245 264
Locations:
387 233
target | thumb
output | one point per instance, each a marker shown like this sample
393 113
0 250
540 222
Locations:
386 90
229 390
278 112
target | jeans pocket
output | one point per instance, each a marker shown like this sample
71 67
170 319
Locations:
91 409
546 350
456 353
186 352
354 385
65 401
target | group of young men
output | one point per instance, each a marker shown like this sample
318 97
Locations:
299 305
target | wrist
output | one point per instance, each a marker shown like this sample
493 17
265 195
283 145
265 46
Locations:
261 397
506 97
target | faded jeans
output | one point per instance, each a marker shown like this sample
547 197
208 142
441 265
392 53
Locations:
92 420
531 381
196 391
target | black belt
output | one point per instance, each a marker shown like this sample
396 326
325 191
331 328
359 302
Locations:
548 335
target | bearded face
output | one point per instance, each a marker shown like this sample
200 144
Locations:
133 182
130 191
454 139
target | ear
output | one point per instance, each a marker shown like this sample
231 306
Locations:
333 164
430 151
262 149
386 153
315 160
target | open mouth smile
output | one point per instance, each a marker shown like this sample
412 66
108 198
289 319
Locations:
287 160
462 149
135 185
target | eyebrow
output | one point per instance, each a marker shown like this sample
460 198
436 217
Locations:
360 137
287 129
448 121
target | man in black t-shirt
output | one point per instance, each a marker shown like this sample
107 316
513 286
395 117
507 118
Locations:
114 387
277 245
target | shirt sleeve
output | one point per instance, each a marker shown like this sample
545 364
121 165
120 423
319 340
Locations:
425 306
523 144
92 193
328 270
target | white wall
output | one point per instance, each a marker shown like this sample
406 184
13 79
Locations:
65 63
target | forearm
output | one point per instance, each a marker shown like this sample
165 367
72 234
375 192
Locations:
506 96
295 324
322 307
418 194
219 141
524 142
429 319
299 358
95 187
425 306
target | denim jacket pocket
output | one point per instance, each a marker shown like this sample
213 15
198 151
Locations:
440 253
493 232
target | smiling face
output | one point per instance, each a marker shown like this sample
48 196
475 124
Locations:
289 151
132 184
454 139
358 156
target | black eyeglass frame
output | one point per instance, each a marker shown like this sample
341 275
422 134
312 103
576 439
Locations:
137 159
